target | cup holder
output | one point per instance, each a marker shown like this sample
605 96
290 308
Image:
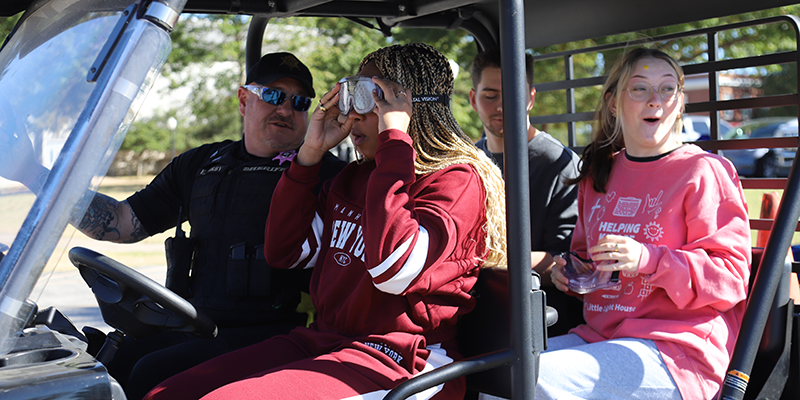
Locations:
35 357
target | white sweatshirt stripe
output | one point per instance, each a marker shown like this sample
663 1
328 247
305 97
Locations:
316 228
410 270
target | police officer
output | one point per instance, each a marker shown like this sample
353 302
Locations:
224 189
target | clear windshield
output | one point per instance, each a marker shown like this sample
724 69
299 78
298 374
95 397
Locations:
60 130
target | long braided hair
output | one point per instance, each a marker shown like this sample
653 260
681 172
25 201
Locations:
437 137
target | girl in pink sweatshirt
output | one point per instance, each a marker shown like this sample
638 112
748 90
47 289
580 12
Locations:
672 220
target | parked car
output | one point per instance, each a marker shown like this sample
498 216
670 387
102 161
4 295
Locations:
698 127
763 162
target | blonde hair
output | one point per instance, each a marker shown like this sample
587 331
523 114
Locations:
607 138
437 137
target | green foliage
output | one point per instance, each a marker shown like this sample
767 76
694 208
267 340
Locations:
733 43
459 47
332 48
781 82
217 119
336 46
6 25
152 134
208 61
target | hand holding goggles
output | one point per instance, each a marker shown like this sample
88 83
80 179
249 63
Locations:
277 97
355 93
583 275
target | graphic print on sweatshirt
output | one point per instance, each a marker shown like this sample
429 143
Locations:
627 207
347 239
633 217
654 204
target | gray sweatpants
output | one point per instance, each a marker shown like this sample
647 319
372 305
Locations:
626 369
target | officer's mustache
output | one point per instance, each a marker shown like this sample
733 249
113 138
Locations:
280 119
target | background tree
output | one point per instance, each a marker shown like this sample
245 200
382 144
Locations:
334 47
734 43
6 24
207 64
208 59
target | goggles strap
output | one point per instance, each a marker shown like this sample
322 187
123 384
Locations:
430 98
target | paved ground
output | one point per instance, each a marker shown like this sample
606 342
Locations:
66 291
61 285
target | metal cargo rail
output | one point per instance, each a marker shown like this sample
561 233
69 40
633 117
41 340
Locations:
769 322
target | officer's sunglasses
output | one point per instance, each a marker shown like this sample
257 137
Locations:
277 97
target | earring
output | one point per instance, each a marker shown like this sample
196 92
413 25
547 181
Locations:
360 159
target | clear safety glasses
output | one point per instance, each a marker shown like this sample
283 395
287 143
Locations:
583 275
277 97
642 91
355 93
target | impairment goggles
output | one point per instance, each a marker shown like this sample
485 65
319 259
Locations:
277 97
355 93
583 275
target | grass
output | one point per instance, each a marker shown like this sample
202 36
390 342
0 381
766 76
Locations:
148 252
753 198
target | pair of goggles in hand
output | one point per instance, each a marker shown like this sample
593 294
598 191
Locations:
583 275
355 93
277 97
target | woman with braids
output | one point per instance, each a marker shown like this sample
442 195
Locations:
396 241
671 220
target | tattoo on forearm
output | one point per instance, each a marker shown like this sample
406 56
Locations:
138 233
101 219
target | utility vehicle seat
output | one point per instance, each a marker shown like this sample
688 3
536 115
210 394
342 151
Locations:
775 368
484 340
487 329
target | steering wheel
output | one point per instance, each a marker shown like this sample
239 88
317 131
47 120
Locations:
123 292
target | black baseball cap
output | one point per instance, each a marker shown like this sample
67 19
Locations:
274 66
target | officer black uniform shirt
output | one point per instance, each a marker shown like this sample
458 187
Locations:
225 193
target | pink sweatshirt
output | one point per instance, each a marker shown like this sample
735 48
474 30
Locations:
689 212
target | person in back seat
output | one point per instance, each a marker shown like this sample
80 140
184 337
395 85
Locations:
671 221
396 243
553 202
